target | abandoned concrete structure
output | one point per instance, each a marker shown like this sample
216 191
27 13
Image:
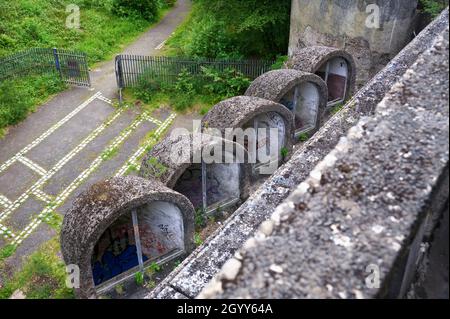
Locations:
367 207
207 185
367 191
348 241
305 94
336 67
253 112
372 32
118 225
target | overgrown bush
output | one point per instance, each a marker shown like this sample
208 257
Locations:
210 85
234 29
433 7
19 96
146 9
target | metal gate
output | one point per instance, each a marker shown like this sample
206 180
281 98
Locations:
72 67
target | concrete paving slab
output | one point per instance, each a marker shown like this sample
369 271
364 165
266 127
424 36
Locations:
68 136
16 179
24 214
83 159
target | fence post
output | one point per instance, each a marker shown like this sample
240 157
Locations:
57 64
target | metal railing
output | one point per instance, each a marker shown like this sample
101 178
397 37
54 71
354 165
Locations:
131 70
70 66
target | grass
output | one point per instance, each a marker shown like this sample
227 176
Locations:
20 96
43 275
41 23
7 251
303 137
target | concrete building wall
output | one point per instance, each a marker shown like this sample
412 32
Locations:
352 25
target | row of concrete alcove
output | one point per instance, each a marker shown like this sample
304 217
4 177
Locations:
119 226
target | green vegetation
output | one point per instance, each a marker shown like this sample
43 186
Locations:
43 276
19 96
233 29
158 169
303 137
198 239
7 251
433 7
284 152
109 153
103 29
154 268
189 90
41 23
200 219
279 62
336 108
139 278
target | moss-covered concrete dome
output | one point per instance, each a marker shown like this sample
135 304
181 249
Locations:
100 206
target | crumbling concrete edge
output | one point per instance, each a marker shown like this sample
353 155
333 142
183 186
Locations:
328 257
279 186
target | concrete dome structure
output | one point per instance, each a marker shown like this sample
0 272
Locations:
179 162
336 67
112 221
259 115
304 94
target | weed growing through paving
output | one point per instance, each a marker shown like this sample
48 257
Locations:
7 251
53 219
109 153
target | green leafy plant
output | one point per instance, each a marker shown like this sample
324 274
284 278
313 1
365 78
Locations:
198 239
158 169
336 108
200 218
146 9
433 7
139 278
284 152
303 137
154 267
279 62
234 29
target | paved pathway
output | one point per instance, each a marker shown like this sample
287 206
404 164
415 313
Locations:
72 141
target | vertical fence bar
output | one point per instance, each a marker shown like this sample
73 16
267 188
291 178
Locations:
137 240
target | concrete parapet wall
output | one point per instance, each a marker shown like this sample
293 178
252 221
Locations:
355 227
198 269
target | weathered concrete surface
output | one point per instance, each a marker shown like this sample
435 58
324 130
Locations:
369 203
275 85
192 275
310 59
99 206
37 123
237 111
349 25
176 153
